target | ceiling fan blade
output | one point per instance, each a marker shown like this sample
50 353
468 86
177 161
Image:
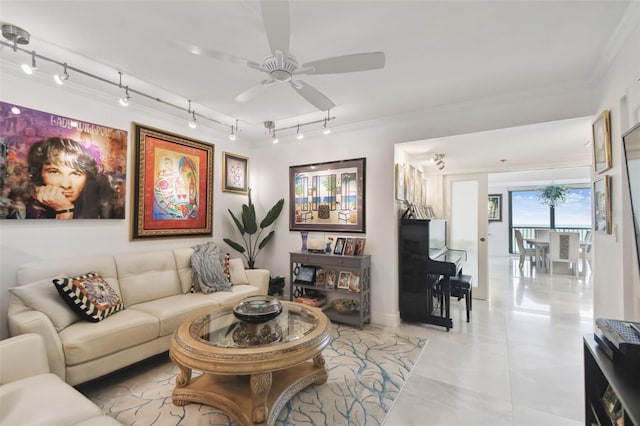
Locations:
312 95
275 15
221 56
346 63
253 91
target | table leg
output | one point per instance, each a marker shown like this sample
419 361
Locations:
260 387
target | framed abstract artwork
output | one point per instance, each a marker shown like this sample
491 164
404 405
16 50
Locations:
601 129
235 173
327 196
173 188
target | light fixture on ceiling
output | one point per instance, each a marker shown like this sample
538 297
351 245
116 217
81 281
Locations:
438 160
15 110
299 135
325 129
234 132
29 69
60 79
17 36
274 138
192 123
125 100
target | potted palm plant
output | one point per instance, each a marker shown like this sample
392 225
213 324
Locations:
251 231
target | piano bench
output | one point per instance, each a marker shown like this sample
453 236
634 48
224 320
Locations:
461 287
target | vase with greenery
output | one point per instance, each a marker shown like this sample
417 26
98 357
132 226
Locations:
251 231
553 195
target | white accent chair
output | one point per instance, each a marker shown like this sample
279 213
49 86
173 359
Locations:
564 247
524 252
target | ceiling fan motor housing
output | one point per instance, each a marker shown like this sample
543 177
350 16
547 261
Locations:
282 74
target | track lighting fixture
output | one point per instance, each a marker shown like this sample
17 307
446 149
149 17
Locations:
232 135
274 138
325 129
438 160
15 110
17 36
60 79
193 123
125 101
299 135
29 69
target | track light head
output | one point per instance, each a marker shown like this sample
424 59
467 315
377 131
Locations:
232 135
299 135
125 101
193 123
274 138
325 129
29 69
60 79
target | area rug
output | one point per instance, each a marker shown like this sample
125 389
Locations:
367 370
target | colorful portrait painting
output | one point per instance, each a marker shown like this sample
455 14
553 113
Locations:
173 185
56 167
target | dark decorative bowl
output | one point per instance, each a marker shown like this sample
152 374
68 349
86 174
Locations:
257 309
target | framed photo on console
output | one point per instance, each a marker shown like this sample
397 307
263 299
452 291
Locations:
344 280
305 274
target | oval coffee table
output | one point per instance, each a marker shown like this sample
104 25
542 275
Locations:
246 373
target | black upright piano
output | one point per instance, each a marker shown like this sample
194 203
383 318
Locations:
425 265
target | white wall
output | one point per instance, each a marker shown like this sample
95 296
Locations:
616 280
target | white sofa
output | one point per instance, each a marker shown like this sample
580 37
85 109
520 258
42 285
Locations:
155 288
31 395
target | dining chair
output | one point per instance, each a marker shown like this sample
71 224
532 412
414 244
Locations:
564 247
524 252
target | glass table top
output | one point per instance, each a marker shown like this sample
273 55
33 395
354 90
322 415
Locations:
221 328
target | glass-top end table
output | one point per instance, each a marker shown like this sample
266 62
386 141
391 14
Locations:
250 371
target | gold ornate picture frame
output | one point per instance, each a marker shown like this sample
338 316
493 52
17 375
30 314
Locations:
601 132
173 190
235 173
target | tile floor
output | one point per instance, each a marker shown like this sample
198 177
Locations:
518 362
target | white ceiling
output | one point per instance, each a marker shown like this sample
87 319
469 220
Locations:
437 54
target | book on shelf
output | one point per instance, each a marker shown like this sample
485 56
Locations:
315 301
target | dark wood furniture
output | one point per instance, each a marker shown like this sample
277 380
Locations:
600 372
424 272
360 265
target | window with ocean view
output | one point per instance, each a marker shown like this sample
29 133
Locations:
527 213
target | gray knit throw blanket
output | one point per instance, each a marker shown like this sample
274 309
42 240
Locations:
207 269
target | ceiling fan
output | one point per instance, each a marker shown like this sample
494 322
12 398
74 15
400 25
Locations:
282 66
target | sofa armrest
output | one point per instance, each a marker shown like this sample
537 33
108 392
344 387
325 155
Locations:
259 278
21 357
31 321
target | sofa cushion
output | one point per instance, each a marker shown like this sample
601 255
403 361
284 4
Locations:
208 269
183 266
236 272
90 296
44 399
147 276
86 341
42 296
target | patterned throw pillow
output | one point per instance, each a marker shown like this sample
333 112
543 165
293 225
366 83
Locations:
90 296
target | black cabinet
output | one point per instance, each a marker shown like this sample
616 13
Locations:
355 266
606 383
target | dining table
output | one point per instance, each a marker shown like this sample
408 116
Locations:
542 246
